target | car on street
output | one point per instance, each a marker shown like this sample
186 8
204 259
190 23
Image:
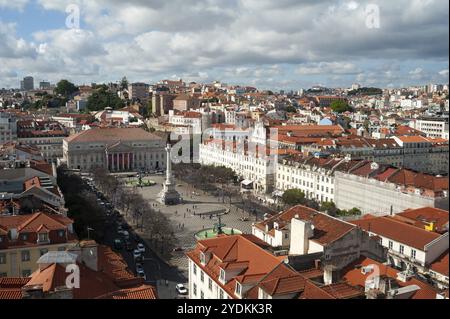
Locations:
243 219
137 254
141 247
140 271
181 289
178 249
118 244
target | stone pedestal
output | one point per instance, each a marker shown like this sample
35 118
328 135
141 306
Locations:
169 195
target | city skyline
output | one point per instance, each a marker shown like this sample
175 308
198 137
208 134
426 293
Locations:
258 43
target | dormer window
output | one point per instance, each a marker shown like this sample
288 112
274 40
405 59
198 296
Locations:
61 233
24 237
222 275
202 258
43 237
238 289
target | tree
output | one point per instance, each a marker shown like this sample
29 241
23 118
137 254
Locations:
293 197
103 98
329 208
355 212
340 106
65 88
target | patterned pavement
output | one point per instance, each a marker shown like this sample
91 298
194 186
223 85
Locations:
192 216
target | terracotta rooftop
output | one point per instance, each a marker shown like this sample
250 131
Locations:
245 250
112 135
352 275
422 217
143 292
326 228
397 230
440 265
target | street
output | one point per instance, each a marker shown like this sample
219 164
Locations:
158 272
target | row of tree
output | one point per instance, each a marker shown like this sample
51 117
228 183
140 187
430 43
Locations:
296 196
81 204
156 225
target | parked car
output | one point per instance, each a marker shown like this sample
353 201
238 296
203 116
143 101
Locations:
140 271
141 247
136 254
181 289
118 244
243 219
178 249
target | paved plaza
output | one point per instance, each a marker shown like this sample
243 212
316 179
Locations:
193 215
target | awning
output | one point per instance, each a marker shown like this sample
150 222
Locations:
246 182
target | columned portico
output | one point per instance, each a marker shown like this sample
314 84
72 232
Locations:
117 162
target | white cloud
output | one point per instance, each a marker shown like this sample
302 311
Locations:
328 68
243 40
13 4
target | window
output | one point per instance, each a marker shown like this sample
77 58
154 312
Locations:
391 244
194 269
43 251
2 259
194 288
238 289
26 255
202 276
413 253
43 237
221 294
61 233
210 284
202 295
202 258
402 249
222 275
62 248
286 235
24 236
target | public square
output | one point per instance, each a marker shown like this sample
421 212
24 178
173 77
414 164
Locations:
195 214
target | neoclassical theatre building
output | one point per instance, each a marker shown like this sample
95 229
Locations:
115 149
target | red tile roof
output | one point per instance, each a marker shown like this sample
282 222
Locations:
32 224
396 230
326 228
440 265
244 250
355 277
112 135
141 293
422 217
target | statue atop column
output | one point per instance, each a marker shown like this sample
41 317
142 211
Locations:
169 195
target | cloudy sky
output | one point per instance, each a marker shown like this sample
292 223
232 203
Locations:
288 44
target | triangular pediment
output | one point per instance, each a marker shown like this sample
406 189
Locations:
119 147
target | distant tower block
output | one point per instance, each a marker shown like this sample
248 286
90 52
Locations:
169 195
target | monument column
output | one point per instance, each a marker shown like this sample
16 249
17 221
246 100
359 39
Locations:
169 195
